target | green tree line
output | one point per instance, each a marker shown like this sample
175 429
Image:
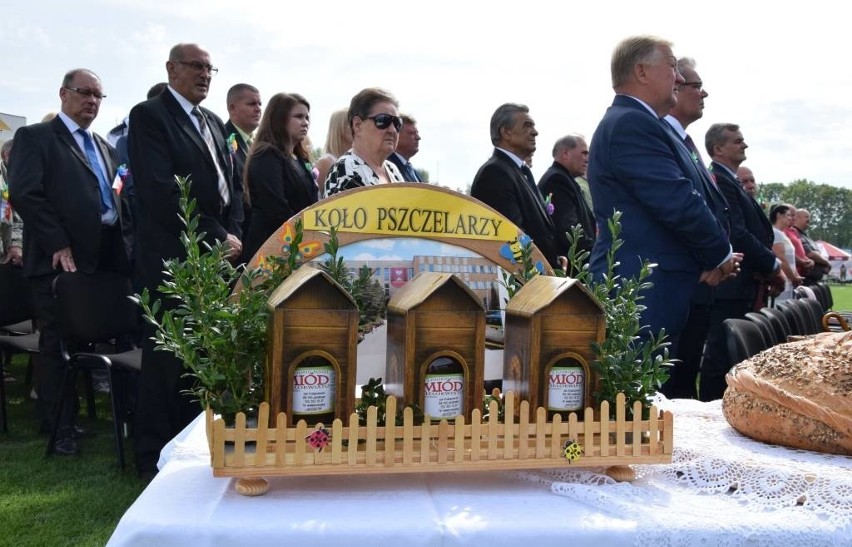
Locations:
830 207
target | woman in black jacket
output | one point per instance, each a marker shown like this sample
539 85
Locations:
278 172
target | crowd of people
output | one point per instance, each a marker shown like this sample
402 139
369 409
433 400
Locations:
74 201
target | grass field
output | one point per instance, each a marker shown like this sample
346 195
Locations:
842 295
58 501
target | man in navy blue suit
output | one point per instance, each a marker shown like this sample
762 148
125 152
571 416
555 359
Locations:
639 166
689 109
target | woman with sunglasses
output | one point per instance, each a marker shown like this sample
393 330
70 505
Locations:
375 123
278 171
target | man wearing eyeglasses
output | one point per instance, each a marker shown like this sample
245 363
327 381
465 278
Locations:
60 184
689 109
172 135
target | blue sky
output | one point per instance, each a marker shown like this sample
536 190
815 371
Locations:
777 70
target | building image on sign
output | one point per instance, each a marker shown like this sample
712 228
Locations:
395 261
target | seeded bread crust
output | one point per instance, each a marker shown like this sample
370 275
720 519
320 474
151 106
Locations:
795 394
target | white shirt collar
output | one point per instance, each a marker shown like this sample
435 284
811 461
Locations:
676 125
182 101
69 123
518 161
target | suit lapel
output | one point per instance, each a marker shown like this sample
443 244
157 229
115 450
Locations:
186 125
68 140
521 180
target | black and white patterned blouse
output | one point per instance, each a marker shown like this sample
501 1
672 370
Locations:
350 171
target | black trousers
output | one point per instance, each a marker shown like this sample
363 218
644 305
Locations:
717 361
684 374
163 409
51 366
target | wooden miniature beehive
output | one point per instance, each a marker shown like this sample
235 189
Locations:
436 321
313 329
551 323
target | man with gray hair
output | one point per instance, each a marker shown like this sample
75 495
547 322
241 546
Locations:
690 108
559 186
506 183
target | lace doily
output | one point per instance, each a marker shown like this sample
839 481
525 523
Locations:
722 489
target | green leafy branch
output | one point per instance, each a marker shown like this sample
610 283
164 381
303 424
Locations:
373 394
220 337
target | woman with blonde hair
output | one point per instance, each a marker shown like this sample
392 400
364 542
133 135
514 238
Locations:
337 142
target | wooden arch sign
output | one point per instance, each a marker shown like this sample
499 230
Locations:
409 210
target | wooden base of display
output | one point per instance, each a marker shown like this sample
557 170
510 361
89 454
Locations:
515 443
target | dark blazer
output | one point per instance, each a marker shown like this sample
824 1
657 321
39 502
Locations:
57 194
405 167
704 294
279 190
163 143
238 158
569 205
501 184
639 166
751 234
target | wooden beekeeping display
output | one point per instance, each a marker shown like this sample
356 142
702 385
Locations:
312 347
480 443
550 325
436 345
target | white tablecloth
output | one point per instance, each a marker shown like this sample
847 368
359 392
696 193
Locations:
684 503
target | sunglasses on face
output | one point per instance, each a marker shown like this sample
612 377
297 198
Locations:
383 121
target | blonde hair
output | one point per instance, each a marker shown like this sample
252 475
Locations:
339 138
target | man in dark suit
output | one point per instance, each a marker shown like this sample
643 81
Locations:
406 147
638 166
505 183
61 175
243 118
690 108
751 235
570 159
171 135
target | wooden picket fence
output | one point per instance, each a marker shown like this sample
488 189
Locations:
515 443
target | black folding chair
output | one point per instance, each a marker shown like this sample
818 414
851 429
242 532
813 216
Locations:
766 328
795 317
807 309
93 311
744 339
17 332
779 322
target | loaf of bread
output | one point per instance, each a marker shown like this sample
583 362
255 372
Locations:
796 394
